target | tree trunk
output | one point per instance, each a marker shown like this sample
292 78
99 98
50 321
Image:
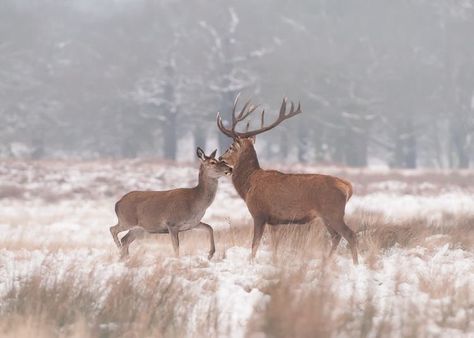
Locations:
339 145
356 151
302 143
405 155
199 137
170 125
283 147
169 137
318 145
459 137
411 150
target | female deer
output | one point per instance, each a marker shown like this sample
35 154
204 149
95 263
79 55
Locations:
170 211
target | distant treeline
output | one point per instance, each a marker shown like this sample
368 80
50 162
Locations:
379 81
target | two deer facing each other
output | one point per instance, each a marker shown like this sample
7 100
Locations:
272 197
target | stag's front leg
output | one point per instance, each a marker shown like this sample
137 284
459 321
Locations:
275 241
258 228
208 228
174 240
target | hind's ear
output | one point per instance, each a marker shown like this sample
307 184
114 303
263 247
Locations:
213 154
200 154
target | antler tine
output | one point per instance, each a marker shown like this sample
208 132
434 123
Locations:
248 109
221 127
234 118
294 112
283 115
283 107
243 113
236 100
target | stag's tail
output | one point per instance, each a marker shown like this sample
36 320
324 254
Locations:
345 187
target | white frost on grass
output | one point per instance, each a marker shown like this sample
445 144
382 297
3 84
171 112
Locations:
416 282
231 285
77 220
404 207
234 287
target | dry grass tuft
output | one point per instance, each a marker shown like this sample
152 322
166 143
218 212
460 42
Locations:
302 308
68 308
377 234
11 191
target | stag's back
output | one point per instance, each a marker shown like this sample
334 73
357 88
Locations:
296 198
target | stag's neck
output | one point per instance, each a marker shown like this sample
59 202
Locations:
206 188
243 171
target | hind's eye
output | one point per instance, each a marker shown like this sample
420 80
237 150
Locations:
213 162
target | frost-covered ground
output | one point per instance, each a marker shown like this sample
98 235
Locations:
60 274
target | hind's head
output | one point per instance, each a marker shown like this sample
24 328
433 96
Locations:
213 167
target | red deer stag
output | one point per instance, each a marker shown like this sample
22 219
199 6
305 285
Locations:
170 211
276 198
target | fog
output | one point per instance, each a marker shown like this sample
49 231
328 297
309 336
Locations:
380 82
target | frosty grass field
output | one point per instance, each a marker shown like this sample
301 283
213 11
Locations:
60 273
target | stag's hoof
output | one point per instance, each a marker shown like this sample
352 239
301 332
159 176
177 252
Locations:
123 256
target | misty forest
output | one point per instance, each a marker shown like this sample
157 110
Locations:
380 82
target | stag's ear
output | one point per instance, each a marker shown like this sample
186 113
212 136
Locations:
200 154
253 139
213 154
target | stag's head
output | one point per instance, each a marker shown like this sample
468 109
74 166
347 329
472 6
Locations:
243 141
239 147
213 168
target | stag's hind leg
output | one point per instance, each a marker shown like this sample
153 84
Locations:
335 238
342 229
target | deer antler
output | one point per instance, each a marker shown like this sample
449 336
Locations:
248 109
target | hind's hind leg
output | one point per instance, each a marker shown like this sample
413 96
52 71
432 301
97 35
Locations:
115 230
128 239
